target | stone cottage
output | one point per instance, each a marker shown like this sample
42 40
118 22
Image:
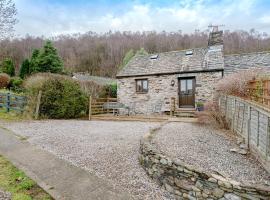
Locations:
188 76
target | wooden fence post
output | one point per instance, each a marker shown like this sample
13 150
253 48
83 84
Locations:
38 104
90 107
172 108
8 102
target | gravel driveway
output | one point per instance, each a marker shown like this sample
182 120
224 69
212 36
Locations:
209 149
5 195
108 149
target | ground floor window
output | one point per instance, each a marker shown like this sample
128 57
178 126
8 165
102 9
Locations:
142 85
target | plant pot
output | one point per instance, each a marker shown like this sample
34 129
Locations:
200 108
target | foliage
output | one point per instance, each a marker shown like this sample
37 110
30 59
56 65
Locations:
199 104
62 96
7 18
141 51
4 80
109 91
237 83
8 67
212 116
128 56
18 184
102 54
25 69
16 84
33 65
48 60
90 88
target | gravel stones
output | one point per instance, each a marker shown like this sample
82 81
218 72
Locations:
209 149
105 148
5 195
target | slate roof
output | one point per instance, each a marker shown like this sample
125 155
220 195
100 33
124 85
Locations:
245 61
202 59
97 79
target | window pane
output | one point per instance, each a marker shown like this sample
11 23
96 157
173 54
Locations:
145 85
183 85
139 86
189 84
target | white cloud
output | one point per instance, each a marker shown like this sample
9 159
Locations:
43 19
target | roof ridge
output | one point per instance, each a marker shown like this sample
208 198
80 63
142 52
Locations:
247 53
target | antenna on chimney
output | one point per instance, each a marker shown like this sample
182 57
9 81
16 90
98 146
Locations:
215 27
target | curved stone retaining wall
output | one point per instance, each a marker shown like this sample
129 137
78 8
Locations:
186 182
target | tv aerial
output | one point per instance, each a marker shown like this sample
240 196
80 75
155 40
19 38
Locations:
215 28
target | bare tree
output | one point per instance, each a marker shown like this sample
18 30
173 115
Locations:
7 18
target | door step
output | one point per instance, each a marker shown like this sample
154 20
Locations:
185 112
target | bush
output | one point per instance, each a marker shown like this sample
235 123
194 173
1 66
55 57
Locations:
4 80
16 84
109 91
237 83
212 116
62 97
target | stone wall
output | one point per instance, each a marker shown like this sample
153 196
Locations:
187 182
251 121
161 90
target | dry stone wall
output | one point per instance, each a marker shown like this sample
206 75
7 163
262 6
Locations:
187 182
161 90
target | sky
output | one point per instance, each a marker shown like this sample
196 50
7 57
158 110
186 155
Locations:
55 17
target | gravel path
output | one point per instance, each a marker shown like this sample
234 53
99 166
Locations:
5 195
209 149
108 149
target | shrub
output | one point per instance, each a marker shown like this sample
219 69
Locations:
4 80
62 96
212 116
109 91
8 67
237 83
16 84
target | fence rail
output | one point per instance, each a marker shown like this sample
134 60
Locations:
96 106
252 122
259 91
9 102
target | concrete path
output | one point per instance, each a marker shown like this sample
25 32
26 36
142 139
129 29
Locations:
58 177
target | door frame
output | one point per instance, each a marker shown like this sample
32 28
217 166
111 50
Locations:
193 88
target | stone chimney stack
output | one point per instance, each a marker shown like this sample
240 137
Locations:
215 38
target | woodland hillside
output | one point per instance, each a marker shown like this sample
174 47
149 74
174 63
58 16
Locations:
102 54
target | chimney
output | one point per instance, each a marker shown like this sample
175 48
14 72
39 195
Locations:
215 38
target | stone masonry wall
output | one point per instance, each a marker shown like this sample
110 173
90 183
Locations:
161 90
187 182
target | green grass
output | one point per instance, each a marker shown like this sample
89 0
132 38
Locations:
18 184
11 116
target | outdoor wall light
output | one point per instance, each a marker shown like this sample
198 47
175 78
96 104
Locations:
172 83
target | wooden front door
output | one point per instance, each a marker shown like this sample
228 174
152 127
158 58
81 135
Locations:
187 92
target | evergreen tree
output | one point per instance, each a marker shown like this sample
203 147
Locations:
33 65
25 69
48 59
8 67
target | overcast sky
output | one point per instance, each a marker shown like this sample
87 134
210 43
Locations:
54 17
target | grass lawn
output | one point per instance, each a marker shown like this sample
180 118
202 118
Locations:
11 116
18 184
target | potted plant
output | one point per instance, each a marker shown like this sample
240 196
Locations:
199 106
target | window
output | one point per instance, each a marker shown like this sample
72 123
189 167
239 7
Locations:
142 85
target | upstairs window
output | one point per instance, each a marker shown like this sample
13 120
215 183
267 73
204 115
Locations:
141 85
